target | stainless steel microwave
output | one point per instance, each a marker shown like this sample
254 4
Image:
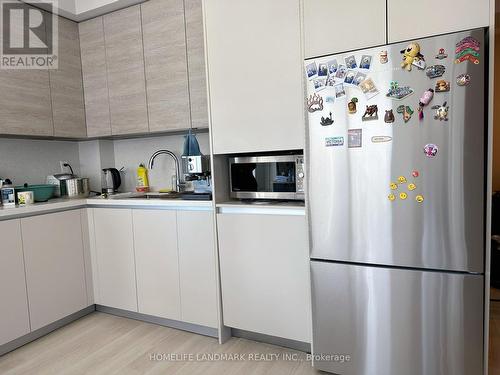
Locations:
267 177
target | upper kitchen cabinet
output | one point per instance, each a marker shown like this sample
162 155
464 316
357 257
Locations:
428 17
125 67
255 75
66 86
334 26
95 79
165 61
195 40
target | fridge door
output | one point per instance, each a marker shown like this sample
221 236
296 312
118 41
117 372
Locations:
394 321
352 163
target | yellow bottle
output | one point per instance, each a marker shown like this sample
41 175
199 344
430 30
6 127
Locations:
142 179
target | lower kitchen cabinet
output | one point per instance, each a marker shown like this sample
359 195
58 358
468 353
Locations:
54 261
264 260
197 265
14 318
157 263
115 260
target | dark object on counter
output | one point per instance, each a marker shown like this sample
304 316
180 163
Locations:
197 196
111 180
41 193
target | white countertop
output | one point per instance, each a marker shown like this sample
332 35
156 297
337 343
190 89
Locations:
269 208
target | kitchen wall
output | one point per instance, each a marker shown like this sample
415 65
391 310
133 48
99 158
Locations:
31 161
129 153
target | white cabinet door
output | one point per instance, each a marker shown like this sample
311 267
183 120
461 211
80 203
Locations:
155 239
14 319
55 271
428 17
114 248
255 75
198 283
334 26
264 262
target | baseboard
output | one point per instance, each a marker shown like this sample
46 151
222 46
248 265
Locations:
32 336
195 328
273 340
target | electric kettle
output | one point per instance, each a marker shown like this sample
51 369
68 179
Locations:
111 180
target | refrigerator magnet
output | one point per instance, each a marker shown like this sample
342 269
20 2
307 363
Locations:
403 195
368 88
319 84
350 62
435 71
325 121
441 54
406 111
415 174
383 57
334 141
393 186
420 64
314 103
419 198
349 77
354 138
410 54
430 150
371 113
402 179
441 112
381 138
330 99
330 81
463 79
332 67
389 116
442 86
425 99
391 197
322 70
366 61
398 92
360 77
339 90
351 106
412 186
311 70
341 72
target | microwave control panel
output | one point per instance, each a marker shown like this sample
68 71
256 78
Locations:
299 170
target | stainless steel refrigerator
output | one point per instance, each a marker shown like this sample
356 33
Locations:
396 205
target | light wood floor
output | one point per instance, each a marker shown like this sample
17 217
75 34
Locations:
105 344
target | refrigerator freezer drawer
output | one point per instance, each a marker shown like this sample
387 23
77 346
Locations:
396 321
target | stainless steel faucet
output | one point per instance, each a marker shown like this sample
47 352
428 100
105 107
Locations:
176 161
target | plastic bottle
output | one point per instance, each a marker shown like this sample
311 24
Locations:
142 179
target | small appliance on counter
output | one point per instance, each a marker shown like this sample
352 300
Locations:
196 167
267 176
111 180
69 184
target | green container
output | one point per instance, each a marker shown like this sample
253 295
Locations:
41 193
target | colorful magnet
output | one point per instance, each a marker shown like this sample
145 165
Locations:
463 79
412 187
334 141
425 99
435 71
441 54
314 103
419 198
351 106
468 49
383 57
430 150
389 116
391 197
354 138
371 113
330 99
368 87
410 54
406 111
415 174
366 61
393 186
442 86
441 112
325 121
402 179
398 92
420 64
403 195
381 138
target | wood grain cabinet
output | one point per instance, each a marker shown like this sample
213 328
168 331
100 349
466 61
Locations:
255 69
95 77
14 318
332 26
66 85
125 68
157 263
54 261
433 18
165 61
264 262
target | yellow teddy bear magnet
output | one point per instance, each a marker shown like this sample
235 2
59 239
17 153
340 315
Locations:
411 54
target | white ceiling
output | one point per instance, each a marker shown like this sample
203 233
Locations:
81 10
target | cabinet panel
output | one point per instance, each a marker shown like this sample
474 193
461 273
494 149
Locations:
255 75
264 262
95 81
55 271
155 241
195 40
66 84
165 61
14 319
114 248
125 65
336 26
434 18
197 267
